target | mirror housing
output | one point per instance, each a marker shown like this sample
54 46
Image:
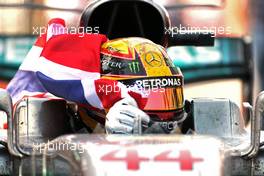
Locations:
134 18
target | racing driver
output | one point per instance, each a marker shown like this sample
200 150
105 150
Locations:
123 86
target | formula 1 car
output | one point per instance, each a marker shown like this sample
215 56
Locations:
221 145
41 136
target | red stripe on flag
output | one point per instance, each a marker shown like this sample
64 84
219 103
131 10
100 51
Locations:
75 51
57 21
41 40
141 102
108 92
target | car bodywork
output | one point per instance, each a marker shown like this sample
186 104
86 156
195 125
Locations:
220 138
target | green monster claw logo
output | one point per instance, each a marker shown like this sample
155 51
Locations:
134 67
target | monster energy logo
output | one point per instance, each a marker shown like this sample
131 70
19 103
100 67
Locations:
134 67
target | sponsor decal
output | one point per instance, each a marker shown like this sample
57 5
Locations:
153 59
134 67
115 65
155 82
109 63
112 49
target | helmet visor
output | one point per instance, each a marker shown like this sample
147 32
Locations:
160 93
164 99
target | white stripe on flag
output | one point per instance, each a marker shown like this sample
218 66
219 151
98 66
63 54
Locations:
90 93
30 63
61 72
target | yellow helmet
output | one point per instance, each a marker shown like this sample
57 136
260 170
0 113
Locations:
145 67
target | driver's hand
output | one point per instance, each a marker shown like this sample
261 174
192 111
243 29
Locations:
124 116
